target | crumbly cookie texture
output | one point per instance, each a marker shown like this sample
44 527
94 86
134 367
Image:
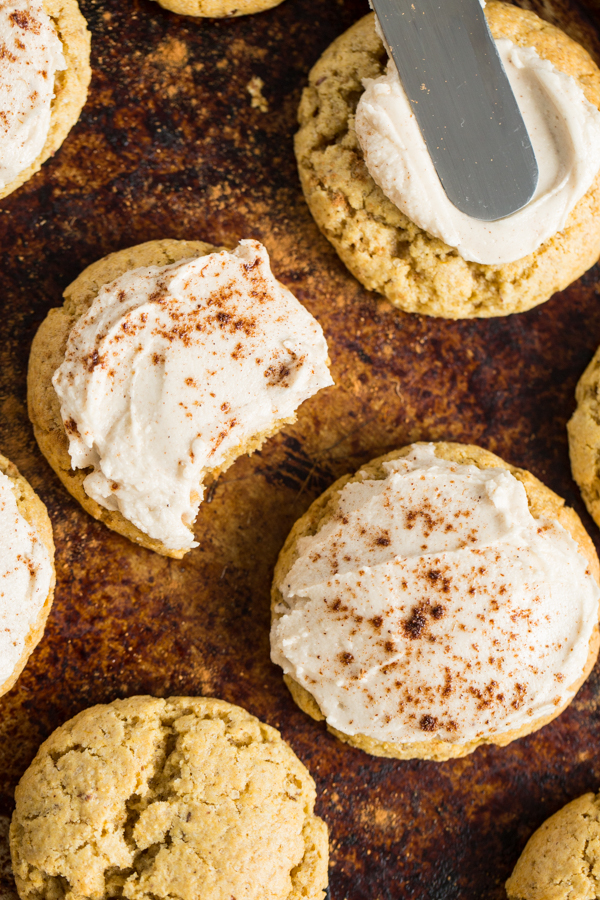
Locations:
381 246
542 503
584 437
217 9
187 798
561 860
71 84
35 514
48 352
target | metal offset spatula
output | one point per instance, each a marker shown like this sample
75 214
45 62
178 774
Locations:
463 102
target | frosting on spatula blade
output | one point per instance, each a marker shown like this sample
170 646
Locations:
463 102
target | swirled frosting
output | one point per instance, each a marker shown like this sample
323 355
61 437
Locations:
565 133
25 579
432 604
30 55
173 371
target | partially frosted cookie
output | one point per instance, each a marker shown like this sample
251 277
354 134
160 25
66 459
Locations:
167 362
561 860
372 189
217 9
186 797
44 77
26 572
437 600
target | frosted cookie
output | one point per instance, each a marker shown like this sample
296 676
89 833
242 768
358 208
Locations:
373 192
437 600
26 572
185 797
167 362
584 437
217 9
561 860
44 77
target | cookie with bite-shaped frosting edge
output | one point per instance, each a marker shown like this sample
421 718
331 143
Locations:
542 503
218 9
48 353
382 248
70 85
560 860
178 797
35 514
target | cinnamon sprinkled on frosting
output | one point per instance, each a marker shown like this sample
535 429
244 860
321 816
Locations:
172 370
25 579
30 55
433 605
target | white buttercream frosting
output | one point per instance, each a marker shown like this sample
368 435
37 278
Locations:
433 605
172 370
25 579
565 133
30 55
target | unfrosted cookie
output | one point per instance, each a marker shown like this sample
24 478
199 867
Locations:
384 249
183 798
561 860
70 83
584 437
428 602
251 353
217 9
27 574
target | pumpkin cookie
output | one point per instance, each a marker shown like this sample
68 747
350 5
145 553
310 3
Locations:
45 72
561 859
27 573
217 9
381 245
167 362
437 600
183 797
584 437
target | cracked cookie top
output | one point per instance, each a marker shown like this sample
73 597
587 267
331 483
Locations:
189 798
218 9
561 860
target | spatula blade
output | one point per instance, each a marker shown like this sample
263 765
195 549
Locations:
463 102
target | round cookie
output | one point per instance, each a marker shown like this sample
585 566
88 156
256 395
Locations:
48 352
183 797
379 244
71 84
584 437
35 514
217 9
561 859
542 502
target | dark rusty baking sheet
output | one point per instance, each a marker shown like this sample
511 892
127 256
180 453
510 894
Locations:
170 146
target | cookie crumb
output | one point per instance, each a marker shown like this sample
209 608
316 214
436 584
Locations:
254 88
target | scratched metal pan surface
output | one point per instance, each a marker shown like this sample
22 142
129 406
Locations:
169 145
